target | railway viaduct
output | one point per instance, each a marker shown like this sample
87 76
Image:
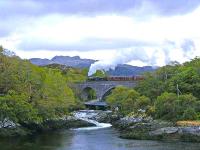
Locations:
102 88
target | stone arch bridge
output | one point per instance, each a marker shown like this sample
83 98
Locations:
102 87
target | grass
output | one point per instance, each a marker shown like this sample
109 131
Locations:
188 123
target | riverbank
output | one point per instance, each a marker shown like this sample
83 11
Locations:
78 119
102 139
132 127
24 129
148 129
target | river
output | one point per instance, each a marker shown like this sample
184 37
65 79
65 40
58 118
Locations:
101 137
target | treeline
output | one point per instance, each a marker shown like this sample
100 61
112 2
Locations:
32 94
171 92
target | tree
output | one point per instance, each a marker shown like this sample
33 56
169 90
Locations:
99 73
151 87
170 107
16 108
1 50
30 93
128 100
166 79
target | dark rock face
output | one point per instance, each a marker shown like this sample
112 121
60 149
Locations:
130 122
15 131
49 125
103 116
60 123
6 123
9 128
166 130
66 123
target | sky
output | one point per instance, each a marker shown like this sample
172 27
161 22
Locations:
137 32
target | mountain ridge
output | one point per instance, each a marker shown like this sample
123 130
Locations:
77 62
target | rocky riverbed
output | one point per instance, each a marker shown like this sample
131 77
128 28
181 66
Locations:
148 129
9 128
67 122
130 127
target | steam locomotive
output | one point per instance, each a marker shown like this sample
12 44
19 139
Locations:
116 78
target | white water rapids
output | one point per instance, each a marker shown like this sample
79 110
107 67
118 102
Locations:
85 115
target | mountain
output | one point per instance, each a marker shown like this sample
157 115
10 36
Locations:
40 62
77 62
127 70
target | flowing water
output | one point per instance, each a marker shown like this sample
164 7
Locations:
86 115
101 137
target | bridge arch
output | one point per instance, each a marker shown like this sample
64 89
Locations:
108 92
102 87
88 93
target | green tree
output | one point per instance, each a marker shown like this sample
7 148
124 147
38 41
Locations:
169 106
151 87
16 108
127 100
30 93
100 73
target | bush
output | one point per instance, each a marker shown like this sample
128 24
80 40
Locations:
189 114
127 100
16 108
170 107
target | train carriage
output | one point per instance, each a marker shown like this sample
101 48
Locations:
116 78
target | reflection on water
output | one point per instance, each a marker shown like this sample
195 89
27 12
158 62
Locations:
102 139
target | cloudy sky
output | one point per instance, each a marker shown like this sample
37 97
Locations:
138 32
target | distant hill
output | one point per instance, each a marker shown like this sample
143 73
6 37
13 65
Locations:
41 62
77 62
128 70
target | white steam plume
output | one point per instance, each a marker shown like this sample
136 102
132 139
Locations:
155 56
121 57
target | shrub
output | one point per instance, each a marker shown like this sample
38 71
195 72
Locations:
170 107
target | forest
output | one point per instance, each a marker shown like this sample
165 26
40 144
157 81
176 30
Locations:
33 94
172 92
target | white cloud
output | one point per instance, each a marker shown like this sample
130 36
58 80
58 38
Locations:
68 33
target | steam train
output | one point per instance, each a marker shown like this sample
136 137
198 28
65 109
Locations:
116 78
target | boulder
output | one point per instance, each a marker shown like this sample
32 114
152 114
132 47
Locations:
6 123
131 121
103 116
156 130
190 130
166 130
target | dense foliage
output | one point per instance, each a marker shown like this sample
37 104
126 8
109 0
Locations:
71 74
29 93
167 78
172 92
127 100
170 107
99 73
